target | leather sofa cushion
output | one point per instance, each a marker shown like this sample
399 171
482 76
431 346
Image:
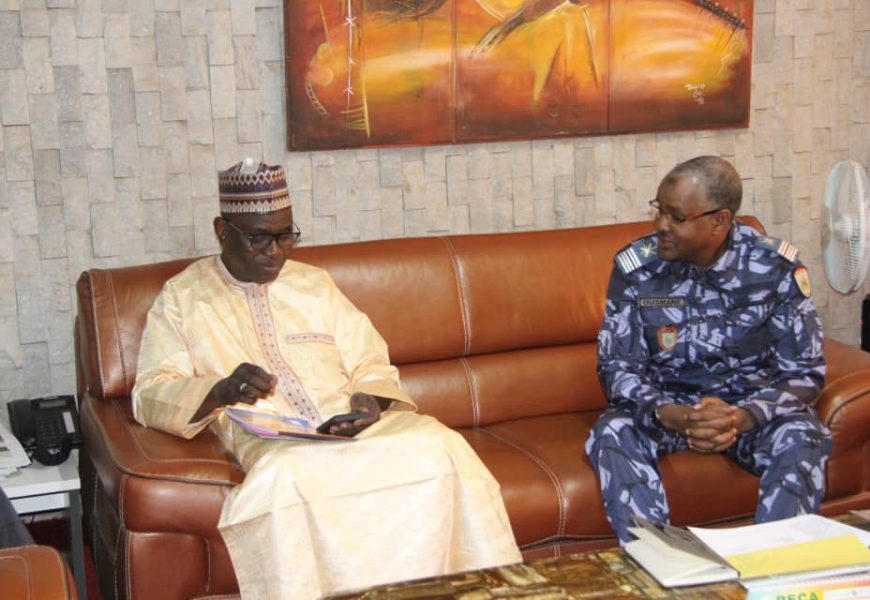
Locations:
35 573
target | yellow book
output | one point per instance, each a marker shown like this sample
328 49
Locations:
816 555
761 555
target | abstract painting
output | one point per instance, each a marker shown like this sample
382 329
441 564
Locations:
418 72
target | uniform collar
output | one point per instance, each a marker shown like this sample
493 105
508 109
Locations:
724 266
729 258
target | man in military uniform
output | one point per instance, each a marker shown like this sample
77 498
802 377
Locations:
710 342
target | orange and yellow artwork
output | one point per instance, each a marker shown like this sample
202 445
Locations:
417 72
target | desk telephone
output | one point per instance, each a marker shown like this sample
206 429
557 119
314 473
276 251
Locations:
48 428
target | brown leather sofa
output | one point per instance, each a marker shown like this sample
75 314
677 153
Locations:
35 573
493 334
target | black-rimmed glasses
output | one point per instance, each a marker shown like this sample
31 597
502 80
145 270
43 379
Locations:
656 210
260 241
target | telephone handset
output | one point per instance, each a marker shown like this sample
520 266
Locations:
48 428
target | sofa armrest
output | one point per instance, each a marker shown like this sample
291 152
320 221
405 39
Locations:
144 471
37 572
844 406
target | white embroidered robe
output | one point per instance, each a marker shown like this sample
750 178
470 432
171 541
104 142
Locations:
407 499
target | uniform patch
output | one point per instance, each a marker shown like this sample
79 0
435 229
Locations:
802 279
666 302
668 337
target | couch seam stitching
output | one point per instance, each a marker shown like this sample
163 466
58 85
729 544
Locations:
466 320
30 577
128 576
58 562
538 461
118 333
99 355
208 565
550 541
842 406
95 525
475 408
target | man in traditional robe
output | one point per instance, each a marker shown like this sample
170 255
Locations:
408 498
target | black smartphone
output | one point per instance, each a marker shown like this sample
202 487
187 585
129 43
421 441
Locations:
336 419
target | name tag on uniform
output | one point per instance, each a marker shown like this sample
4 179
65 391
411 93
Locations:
665 302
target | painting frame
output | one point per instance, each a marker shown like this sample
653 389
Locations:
373 73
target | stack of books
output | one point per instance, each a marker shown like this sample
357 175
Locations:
807 557
835 587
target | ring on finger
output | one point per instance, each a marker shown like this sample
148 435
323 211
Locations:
243 387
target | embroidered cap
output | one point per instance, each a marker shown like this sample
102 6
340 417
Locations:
246 188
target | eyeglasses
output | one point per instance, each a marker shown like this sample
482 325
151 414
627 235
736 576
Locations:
260 241
656 211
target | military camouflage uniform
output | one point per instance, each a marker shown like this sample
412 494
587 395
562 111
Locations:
744 330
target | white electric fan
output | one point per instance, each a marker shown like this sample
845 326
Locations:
846 226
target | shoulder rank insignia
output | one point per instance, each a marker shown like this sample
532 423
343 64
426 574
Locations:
636 255
783 248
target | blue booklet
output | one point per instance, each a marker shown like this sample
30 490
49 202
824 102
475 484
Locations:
278 427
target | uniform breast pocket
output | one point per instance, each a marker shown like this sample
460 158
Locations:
745 338
747 349
665 343
665 334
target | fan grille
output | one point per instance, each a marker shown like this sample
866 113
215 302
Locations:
845 234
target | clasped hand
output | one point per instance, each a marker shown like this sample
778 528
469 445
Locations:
710 426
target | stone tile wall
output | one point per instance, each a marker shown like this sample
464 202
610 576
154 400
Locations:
115 115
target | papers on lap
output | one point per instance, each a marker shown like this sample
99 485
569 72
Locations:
278 427
765 553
